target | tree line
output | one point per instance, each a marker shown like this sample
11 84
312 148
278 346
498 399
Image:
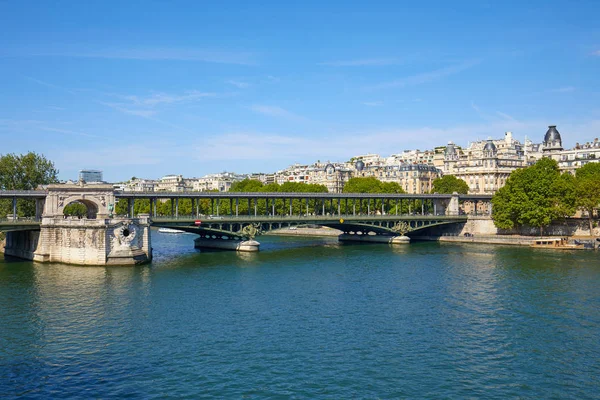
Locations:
535 196
24 172
539 195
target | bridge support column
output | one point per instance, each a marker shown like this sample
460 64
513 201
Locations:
453 206
39 209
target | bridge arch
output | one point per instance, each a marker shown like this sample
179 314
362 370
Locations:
91 208
98 199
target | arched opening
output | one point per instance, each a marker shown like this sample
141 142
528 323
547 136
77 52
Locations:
81 209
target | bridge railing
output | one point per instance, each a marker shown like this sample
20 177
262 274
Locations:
327 217
20 220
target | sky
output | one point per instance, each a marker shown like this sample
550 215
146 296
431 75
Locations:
150 88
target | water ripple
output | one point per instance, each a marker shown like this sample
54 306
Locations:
303 320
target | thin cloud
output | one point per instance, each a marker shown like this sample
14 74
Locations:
238 84
69 132
596 53
373 103
566 89
273 111
426 77
48 84
365 62
130 111
506 116
165 98
159 54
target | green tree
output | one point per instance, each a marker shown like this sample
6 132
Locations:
247 185
374 185
75 209
24 172
587 190
535 196
449 184
364 185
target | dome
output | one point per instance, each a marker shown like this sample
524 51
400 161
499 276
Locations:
450 149
360 165
489 146
329 168
552 135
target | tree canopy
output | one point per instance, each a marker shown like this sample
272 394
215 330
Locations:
371 185
587 190
535 196
449 184
24 172
251 185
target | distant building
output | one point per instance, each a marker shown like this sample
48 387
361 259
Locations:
570 159
413 178
221 182
171 183
485 165
140 185
91 176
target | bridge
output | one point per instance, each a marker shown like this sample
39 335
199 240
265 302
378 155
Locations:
221 220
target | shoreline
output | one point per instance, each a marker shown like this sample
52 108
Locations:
511 240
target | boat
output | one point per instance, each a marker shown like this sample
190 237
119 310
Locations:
169 230
561 243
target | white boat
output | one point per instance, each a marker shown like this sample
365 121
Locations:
169 230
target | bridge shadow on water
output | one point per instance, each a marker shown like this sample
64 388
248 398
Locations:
177 250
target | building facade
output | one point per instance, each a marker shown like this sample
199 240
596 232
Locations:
91 176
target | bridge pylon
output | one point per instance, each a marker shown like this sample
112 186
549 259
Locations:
97 239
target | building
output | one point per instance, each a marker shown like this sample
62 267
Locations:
331 175
140 185
571 159
412 177
91 176
172 183
220 182
485 165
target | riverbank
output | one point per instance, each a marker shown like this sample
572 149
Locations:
510 240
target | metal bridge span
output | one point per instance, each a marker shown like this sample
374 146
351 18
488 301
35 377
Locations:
360 216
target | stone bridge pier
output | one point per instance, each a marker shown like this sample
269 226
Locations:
97 239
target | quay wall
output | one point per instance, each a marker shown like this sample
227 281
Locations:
484 226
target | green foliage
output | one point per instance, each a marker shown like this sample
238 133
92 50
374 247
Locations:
24 172
587 190
75 209
589 170
371 185
247 185
374 185
534 196
449 184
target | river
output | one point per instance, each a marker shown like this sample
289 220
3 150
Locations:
306 318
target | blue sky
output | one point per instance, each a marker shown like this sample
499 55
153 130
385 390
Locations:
148 88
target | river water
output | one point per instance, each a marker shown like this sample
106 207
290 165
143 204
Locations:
306 318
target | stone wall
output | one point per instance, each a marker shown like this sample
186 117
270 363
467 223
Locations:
22 244
84 241
484 225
